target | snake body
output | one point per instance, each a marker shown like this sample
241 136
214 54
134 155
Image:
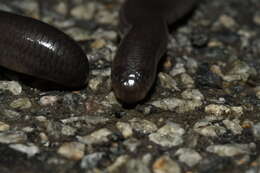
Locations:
37 49
144 28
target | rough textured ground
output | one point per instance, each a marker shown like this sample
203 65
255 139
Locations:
203 114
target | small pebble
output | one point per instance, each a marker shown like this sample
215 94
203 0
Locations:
44 138
90 161
97 44
169 135
8 137
29 149
258 94
256 18
68 130
72 150
84 11
117 165
125 129
41 118
10 114
143 126
234 126
256 131
137 166
177 69
30 7
48 100
61 8
105 17
229 150
165 164
176 104
14 87
217 109
96 137
187 80
206 128
132 144
257 91
95 83
227 21
100 33
4 126
28 129
53 129
239 71
168 82
21 103
188 156
193 94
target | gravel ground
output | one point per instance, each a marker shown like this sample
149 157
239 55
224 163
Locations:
203 114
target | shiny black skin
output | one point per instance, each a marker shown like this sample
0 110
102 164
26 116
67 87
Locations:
37 49
144 28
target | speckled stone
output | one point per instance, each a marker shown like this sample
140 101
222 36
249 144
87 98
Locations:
193 94
256 18
48 100
95 83
187 80
84 11
176 104
227 21
118 164
233 125
239 71
96 137
98 44
29 149
137 166
230 150
177 69
61 8
72 150
30 7
223 110
169 135
257 91
14 87
217 109
125 129
256 130
10 114
53 129
165 164
68 130
103 16
90 161
168 82
132 144
206 128
21 103
188 156
8 137
143 126
78 33
4 126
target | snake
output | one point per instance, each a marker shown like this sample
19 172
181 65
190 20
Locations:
144 26
37 49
